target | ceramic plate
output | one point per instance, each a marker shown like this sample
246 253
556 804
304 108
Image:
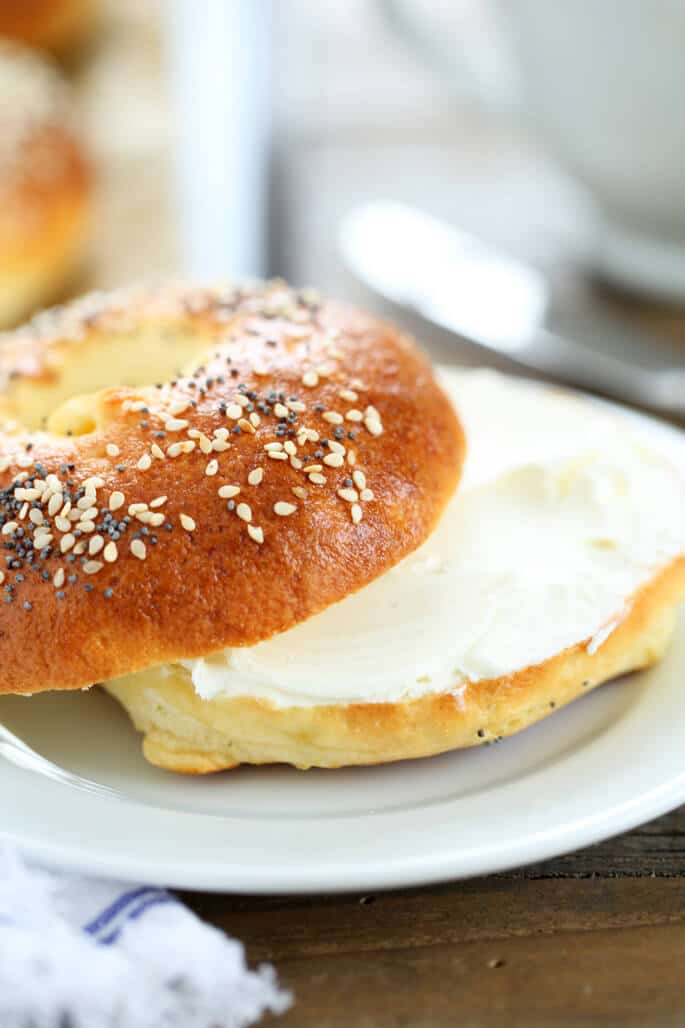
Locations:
606 763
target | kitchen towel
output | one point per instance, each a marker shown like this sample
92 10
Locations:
81 952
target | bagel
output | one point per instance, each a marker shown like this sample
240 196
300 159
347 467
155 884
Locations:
181 513
390 614
557 566
45 185
59 26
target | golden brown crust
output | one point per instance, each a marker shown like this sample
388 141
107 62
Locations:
45 186
59 26
206 584
187 734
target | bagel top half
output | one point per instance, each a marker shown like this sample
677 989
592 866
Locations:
184 470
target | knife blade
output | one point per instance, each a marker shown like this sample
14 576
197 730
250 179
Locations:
498 304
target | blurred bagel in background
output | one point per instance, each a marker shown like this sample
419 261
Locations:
59 26
45 185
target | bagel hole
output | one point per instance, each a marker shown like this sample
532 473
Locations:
65 399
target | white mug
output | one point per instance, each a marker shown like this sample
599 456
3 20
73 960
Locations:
603 84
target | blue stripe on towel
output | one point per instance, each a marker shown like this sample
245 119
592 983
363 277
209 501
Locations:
157 900
120 903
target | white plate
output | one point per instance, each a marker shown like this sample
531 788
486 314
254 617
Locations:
606 763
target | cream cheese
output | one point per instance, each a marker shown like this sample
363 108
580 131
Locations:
563 512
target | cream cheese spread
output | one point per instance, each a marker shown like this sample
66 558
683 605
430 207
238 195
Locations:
563 512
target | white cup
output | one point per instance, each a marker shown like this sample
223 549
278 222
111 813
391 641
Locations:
603 84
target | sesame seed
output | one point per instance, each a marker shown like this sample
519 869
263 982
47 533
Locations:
116 500
187 522
36 516
284 509
58 579
110 552
334 460
354 415
176 424
255 476
157 451
367 495
351 457
256 533
333 417
277 455
41 540
175 450
313 467
234 411
280 410
349 495
300 492
78 550
62 524
91 567
219 446
205 443
136 508
179 407
212 468
255 419
310 379
138 549
112 450
244 512
359 479
317 479
90 514
87 501
226 492
356 513
273 447
67 542
336 447
93 483
349 395
95 545
246 426
55 504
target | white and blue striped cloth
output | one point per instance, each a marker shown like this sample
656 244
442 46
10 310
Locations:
80 952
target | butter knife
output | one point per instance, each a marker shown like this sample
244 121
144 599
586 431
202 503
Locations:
498 304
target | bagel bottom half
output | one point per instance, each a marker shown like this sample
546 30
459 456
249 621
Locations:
187 734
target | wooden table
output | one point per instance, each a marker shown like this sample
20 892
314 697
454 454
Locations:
594 938
597 938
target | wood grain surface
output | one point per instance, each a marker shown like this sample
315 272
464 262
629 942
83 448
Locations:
594 938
